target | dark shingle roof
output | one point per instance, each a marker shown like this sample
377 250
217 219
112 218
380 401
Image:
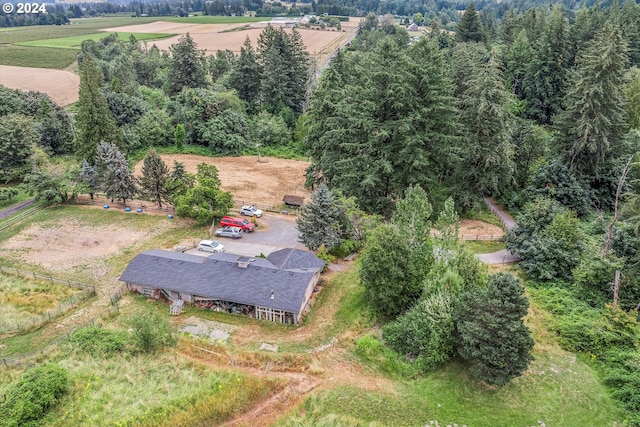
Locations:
219 276
295 259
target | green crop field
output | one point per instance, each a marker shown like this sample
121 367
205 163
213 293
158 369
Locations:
39 57
74 42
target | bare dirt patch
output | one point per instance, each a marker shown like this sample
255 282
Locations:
69 244
249 181
61 86
471 229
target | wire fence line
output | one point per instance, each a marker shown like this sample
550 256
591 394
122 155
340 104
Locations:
29 359
26 358
62 308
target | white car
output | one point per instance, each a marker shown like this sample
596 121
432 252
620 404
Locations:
251 211
211 246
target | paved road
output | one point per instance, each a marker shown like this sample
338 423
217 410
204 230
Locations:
504 256
5 213
274 232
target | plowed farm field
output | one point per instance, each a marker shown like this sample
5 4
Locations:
214 37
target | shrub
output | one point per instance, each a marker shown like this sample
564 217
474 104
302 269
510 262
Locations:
492 335
150 332
32 395
98 342
425 331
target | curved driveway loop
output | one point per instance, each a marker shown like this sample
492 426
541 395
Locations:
274 232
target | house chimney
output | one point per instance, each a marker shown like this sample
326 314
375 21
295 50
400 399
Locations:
243 262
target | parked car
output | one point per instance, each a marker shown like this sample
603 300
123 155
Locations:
237 222
251 211
233 232
211 246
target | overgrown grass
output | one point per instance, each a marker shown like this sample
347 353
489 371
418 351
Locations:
38 57
484 246
74 42
154 390
484 215
206 19
21 299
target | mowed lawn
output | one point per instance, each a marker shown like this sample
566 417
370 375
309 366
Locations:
74 42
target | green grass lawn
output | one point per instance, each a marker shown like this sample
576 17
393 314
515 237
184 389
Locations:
484 246
74 42
557 390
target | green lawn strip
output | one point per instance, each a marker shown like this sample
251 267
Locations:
484 246
38 57
206 19
153 390
74 42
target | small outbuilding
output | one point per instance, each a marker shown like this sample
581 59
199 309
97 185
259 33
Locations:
277 288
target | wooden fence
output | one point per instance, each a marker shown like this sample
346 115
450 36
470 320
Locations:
267 208
22 214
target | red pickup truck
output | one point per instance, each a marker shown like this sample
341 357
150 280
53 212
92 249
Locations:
237 222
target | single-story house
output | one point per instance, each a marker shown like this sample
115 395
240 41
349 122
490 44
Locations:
276 288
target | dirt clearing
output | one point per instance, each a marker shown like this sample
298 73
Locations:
61 86
69 244
472 229
263 183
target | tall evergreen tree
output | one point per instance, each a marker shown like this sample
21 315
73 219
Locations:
321 221
285 62
492 335
485 106
246 73
382 121
117 178
516 60
469 28
546 79
94 121
153 183
186 67
594 123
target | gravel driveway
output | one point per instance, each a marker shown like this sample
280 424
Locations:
274 232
